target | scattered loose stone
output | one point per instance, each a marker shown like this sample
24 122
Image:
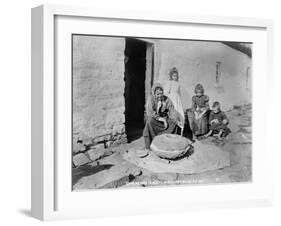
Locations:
95 154
80 159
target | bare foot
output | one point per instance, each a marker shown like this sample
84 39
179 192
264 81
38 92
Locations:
220 135
207 135
194 138
142 153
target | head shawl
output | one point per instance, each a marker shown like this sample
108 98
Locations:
215 104
156 86
199 87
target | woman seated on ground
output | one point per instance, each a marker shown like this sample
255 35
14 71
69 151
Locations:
161 116
218 122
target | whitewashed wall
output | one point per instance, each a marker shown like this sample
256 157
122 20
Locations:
196 62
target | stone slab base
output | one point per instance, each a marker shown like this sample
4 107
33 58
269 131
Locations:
206 157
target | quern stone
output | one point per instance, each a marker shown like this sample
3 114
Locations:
170 146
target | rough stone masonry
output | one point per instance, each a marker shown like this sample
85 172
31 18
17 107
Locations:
98 101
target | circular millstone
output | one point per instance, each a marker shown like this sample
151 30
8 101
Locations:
170 146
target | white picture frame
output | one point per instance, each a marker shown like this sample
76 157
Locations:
47 158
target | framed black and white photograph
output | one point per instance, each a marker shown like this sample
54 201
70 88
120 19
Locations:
148 113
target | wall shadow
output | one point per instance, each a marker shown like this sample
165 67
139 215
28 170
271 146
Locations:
87 170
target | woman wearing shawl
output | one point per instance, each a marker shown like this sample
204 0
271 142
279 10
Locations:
161 117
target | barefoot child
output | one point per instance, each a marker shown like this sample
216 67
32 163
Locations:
172 90
218 122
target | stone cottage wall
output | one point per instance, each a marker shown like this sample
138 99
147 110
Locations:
98 89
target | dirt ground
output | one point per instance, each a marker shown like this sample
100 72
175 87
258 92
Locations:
112 171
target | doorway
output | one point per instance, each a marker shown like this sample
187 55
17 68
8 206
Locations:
138 80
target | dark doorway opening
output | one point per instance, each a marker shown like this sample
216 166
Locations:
136 75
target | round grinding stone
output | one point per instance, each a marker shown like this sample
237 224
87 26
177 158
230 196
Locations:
170 146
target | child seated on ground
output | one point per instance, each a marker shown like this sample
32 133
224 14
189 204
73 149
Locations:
218 122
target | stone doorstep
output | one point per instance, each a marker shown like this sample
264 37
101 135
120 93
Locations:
120 173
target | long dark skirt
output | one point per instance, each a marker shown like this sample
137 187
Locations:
199 126
153 128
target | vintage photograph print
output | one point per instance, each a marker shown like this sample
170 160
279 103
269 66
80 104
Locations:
159 112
